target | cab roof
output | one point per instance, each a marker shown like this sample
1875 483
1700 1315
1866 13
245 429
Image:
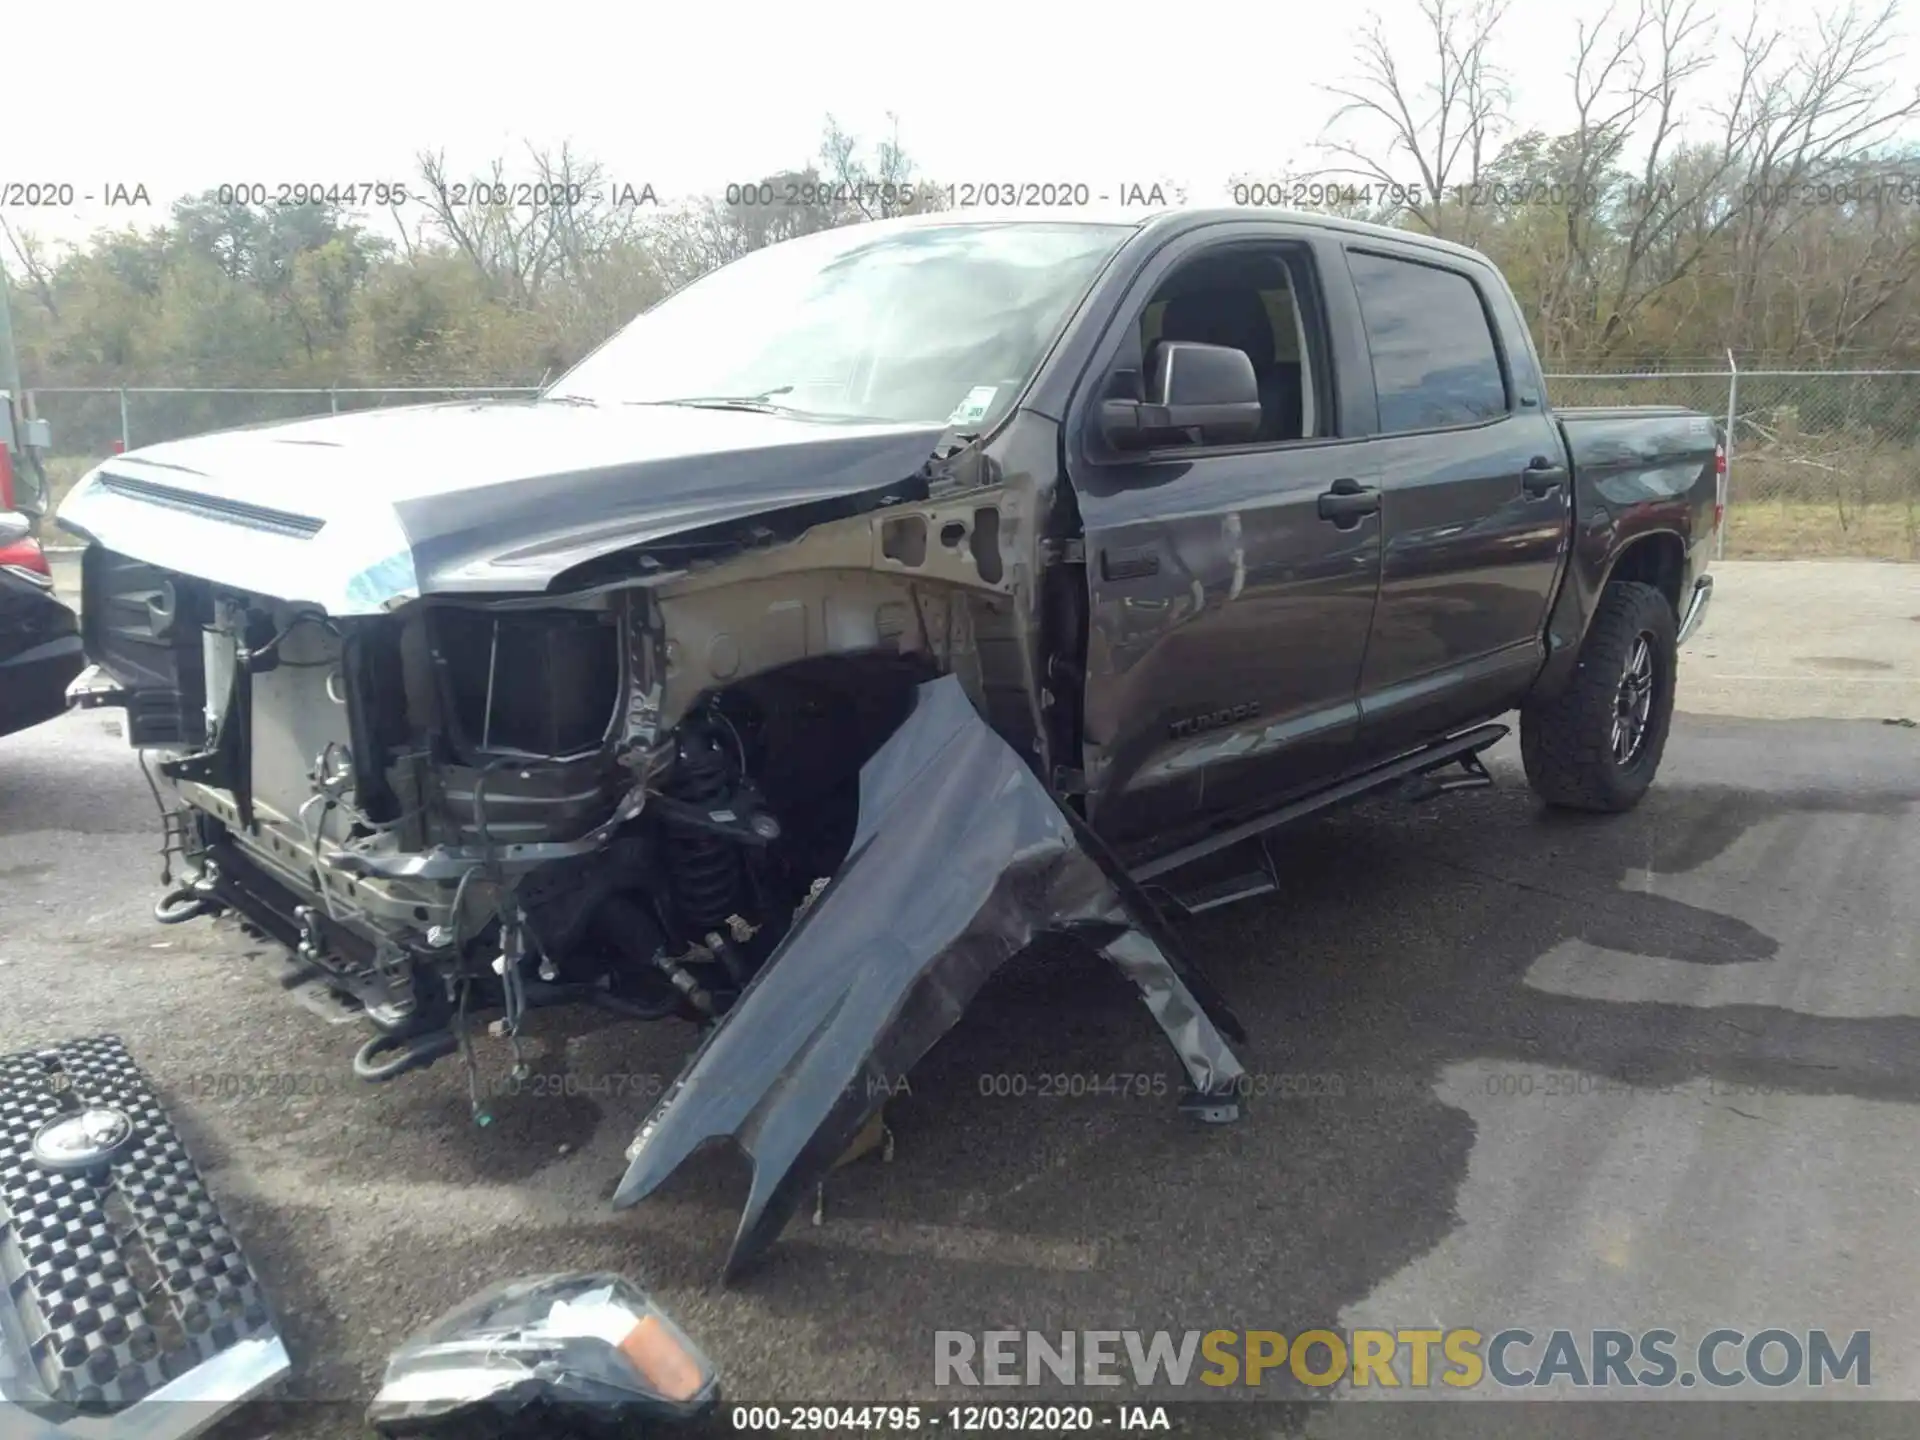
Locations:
1171 218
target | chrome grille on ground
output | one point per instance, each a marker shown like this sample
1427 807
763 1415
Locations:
122 1277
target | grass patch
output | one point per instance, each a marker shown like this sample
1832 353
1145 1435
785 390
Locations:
1815 530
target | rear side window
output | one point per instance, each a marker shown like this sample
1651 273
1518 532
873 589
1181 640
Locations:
1434 361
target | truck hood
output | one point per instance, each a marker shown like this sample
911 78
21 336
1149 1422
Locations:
360 513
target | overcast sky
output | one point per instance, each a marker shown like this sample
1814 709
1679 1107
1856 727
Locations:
182 97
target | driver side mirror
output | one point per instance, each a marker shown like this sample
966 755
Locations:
1196 394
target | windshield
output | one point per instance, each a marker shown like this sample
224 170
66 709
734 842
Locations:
940 324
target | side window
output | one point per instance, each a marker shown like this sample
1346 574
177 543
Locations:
1249 297
1434 359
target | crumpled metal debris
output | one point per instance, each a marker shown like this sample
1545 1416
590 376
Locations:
959 861
545 1355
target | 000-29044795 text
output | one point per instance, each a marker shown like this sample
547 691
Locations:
457 194
1497 194
961 1419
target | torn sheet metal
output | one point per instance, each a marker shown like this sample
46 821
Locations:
960 859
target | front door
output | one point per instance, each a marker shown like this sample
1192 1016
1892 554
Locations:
1228 618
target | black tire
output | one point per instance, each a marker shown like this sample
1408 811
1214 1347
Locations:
1576 756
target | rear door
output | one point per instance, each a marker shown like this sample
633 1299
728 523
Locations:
1228 619
1475 496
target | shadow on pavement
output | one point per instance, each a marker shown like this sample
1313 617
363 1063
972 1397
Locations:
1399 945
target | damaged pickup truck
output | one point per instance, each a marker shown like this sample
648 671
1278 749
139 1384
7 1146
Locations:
874 605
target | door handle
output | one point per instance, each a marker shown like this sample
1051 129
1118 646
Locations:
1347 502
1542 477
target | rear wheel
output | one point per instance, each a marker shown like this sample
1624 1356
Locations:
1597 745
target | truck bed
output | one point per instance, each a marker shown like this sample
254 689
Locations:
1633 454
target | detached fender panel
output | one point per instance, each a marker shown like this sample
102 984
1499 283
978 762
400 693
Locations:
960 858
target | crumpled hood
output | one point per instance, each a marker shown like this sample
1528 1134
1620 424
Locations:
358 513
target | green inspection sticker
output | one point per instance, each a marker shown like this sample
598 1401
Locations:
979 400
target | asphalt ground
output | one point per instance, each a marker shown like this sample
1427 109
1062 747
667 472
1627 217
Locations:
1509 1069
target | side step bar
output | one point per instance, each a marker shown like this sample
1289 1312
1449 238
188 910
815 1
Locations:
1264 877
1463 750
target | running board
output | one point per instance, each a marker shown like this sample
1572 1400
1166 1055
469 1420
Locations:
1425 786
1263 879
1413 770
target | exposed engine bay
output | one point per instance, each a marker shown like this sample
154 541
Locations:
638 795
633 789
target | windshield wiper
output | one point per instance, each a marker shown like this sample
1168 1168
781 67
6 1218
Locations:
760 402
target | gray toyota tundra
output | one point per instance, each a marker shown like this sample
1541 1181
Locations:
866 610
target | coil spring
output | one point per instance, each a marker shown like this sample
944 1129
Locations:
704 869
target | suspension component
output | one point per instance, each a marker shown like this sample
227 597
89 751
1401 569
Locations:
723 951
705 869
513 953
683 980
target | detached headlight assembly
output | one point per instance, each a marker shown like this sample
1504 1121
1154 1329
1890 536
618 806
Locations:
545 1350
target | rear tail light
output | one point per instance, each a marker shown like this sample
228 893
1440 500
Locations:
26 559
1720 490
6 476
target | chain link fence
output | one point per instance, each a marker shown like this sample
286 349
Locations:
1823 463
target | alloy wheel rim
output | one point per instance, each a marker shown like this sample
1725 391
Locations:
1633 702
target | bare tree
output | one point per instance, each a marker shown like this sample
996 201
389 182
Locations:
864 190
1657 189
28 249
844 187
1628 235
1818 120
1447 126
1802 111
522 232
1842 280
505 244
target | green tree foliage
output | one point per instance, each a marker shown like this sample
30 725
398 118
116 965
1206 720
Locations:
1673 221
458 290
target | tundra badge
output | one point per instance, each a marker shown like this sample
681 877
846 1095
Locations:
1213 719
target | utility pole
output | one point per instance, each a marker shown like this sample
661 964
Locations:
9 362
20 437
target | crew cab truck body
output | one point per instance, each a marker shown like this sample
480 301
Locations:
869 608
1415 544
